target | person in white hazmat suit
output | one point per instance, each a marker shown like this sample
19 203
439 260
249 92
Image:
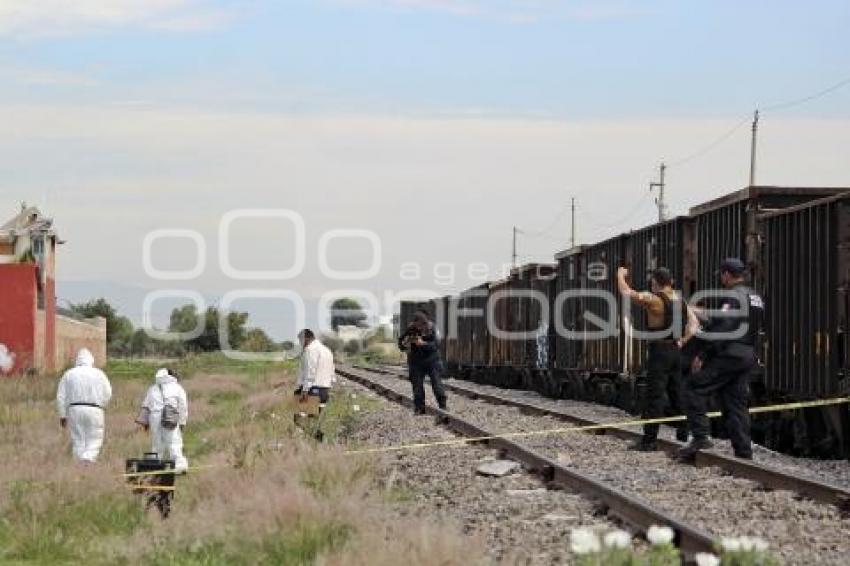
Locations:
81 397
167 442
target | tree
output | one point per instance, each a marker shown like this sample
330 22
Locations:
353 347
332 342
256 340
287 345
183 319
346 312
140 343
187 318
119 329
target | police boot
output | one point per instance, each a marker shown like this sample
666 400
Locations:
644 445
682 434
689 453
443 404
419 410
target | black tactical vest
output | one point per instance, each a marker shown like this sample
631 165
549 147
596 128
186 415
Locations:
671 332
749 299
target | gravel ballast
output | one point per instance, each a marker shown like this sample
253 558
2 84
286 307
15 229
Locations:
799 531
521 521
836 472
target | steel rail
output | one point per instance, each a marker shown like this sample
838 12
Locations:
770 478
626 507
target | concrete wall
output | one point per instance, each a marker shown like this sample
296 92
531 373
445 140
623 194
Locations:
71 335
50 325
18 300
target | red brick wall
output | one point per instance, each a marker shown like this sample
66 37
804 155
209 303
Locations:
18 298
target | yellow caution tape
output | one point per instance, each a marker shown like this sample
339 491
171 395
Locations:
586 428
153 487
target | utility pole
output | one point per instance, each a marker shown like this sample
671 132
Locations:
753 149
662 206
513 253
573 222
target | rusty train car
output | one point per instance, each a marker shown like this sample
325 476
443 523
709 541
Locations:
796 243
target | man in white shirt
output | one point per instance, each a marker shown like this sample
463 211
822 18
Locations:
82 395
317 373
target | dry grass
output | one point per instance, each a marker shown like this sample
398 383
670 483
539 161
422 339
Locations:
270 497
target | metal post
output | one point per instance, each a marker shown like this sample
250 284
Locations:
513 253
753 149
573 223
662 206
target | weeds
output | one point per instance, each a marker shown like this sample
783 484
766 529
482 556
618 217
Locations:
266 495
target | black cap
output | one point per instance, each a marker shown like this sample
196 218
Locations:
733 265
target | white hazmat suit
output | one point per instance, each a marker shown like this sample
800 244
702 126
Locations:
81 397
167 443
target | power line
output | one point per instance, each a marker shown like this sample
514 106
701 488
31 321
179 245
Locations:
547 230
638 207
709 147
745 120
797 101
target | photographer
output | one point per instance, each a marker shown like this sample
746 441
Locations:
421 341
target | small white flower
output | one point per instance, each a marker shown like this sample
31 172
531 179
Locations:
706 559
355 408
584 541
617 539
730 544
660 535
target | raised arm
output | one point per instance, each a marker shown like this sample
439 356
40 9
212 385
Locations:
623 285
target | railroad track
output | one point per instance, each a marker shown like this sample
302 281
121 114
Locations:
801 518
768 477
617 503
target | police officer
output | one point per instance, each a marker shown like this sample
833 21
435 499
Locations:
724 361
666 314
421 341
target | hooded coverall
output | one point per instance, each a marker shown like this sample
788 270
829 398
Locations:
81 396
167 443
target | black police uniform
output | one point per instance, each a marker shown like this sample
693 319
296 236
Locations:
424 361
726 371
664 373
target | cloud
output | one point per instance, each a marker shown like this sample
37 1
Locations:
35 76
513 11
46 18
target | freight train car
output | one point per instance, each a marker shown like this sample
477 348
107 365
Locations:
473 340
727 227
805 267
447 324
609 369
775 230
518 312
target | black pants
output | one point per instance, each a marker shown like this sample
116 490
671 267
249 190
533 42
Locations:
418 371
729 379
664 371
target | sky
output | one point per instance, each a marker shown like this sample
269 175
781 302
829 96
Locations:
436 126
